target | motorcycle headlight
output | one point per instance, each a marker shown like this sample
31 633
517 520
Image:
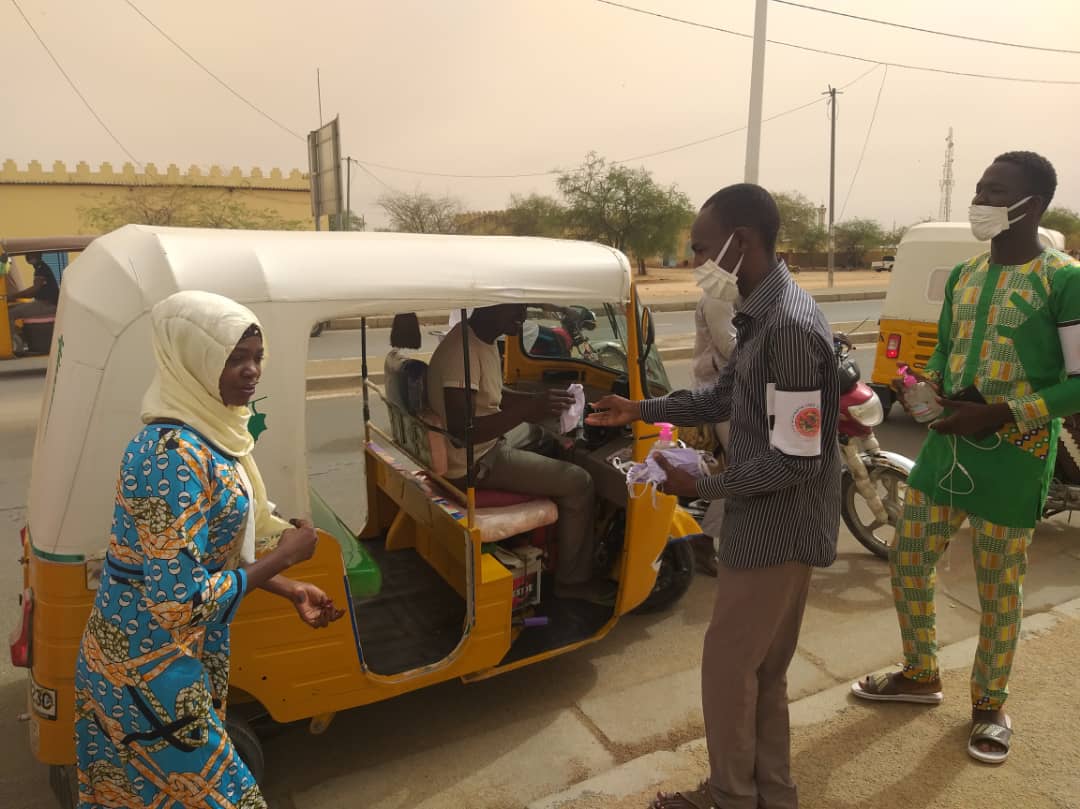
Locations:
869 413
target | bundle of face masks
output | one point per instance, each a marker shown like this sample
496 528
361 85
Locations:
648 476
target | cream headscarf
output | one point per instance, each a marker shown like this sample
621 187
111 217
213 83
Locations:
194 334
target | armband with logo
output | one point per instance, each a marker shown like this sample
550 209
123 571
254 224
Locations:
796 421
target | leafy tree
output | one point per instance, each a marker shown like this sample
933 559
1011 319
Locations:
855 236
422 213
893 237
1067 222
535 215
798 220
624 208
183 206
811 241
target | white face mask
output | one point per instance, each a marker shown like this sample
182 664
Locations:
715 281
987 221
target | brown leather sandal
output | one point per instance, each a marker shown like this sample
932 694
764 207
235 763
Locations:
883 688
699 798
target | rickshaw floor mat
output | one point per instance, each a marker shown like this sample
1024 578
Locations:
569 621
417 619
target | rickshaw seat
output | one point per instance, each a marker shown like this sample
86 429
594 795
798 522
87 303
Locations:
416 428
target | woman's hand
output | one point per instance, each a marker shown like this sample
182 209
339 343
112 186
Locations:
297 544
316 609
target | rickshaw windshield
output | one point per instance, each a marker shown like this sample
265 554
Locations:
592 333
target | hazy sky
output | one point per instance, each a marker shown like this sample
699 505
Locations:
521 86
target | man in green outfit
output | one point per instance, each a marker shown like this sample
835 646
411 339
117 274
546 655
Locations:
1007 368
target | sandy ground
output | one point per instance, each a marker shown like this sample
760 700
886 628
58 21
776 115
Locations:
913 757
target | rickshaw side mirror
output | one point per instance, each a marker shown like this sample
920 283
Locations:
648 329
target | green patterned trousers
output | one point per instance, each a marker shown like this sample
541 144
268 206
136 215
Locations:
1000 554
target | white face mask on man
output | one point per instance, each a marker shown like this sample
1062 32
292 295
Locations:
988 221
715 281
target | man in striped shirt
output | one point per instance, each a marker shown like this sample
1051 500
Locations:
782 493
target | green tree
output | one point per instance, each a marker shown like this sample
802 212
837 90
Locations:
894 236
798 219
422 213
1067 222
855 236
812 241
183 206
624 208
535 215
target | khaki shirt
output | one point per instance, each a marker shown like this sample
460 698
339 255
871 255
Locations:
447 370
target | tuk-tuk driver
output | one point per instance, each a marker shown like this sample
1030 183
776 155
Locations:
45 292
502 432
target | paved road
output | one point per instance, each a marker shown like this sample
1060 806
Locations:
501 743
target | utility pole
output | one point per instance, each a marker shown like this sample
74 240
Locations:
348 194
832 92
947 182
757 89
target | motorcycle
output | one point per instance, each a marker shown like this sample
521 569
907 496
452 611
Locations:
570 339
873 481
1064 493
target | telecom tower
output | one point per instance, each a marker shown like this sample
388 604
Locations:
945 209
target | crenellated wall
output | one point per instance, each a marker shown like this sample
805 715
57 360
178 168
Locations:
105 174
35 201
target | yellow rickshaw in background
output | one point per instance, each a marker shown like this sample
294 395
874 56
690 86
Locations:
57 252
438 584
907 328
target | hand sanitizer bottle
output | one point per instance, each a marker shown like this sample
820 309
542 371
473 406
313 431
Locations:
920 398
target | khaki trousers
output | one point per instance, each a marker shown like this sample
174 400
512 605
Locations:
748 646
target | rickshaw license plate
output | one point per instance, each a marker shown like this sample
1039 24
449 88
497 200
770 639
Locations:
43 700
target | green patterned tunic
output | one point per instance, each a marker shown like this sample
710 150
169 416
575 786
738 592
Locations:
1008 330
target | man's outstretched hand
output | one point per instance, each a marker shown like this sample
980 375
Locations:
613 411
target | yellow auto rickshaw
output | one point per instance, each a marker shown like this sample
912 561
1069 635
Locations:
907 328
57 252
439 584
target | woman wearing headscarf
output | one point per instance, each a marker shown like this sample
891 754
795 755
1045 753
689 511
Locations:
153 668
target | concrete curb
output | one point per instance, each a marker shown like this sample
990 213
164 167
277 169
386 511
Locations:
639 774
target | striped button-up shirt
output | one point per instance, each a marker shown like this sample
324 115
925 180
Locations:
779 507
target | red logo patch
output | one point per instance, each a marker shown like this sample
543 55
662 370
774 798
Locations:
807 421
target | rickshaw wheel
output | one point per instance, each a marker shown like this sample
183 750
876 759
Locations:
673 579
247 744
64 782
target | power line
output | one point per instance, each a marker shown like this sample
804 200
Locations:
364 163
866 142
824 52
213 75
925 30
372 174
74 87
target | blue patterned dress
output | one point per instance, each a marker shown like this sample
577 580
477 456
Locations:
153 669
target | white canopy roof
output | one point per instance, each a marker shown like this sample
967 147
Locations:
124 273
101 362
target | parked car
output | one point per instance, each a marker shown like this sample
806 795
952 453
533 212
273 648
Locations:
885 265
